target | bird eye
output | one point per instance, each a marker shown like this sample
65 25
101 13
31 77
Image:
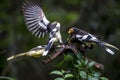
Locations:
41 20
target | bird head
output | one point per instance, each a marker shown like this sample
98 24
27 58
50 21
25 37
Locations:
57 24
72 30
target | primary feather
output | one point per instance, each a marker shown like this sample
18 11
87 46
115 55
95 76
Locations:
35 18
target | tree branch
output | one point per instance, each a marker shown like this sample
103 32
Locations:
37 52
75 51
59 52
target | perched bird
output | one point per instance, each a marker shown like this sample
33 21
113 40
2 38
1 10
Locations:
38 24
89 39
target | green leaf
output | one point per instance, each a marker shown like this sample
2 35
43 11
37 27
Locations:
86 62
103 78
82 62
68 57
97 74
77 66
79 63
79 56
57 73
83 74
92 78
63 71
90 64
68 75
59 79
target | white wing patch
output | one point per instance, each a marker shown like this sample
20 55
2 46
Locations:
78 36
54 30
84 37
93 38
45 53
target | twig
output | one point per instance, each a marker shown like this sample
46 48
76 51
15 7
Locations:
59 52
96 64
74 50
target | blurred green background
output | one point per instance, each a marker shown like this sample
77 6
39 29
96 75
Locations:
100 17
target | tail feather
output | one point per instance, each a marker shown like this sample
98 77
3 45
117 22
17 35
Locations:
109 45
106 45
109 51
50 43
47 49
38 47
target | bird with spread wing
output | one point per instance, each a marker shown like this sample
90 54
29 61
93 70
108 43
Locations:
38 24
88 39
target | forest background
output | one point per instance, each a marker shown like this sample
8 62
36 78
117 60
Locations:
99 17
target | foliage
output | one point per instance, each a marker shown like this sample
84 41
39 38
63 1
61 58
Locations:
77 68
6 78
64 74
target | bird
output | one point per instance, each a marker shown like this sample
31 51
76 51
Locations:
39 25
89 40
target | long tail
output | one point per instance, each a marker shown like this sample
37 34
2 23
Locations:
38 48
49 45
35 52
107 47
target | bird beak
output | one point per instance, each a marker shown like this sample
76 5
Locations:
70 31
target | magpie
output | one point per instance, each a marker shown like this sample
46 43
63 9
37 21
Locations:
87 38
39 25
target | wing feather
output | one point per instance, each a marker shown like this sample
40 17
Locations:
35 19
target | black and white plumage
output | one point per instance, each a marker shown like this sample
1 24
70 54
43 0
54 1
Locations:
38 24
86 37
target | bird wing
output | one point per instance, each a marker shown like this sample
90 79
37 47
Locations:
35 19
86 37
49 45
